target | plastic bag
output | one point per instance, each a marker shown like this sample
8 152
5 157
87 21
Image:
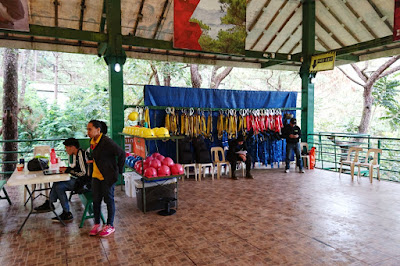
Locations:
312 158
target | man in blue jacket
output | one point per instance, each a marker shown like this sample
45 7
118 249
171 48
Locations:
293 134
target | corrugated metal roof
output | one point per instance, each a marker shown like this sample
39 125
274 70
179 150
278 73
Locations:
273 26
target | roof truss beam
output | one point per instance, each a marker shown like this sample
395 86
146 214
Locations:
61 33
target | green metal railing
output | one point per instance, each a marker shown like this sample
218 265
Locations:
25 150
331 148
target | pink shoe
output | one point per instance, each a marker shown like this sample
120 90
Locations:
107 230
95 230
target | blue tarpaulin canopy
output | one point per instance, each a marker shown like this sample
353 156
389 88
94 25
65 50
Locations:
208 98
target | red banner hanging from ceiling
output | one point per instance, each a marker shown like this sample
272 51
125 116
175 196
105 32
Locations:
186 33
396 26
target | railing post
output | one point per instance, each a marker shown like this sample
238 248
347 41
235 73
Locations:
334 147
379 155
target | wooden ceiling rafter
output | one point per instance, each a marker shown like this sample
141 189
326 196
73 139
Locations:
322 43
269 24
296 45
360 19
380 14
83 7
139 18
346 28
282 27
103 17
258 16
328 31
162 18
56 4
291 34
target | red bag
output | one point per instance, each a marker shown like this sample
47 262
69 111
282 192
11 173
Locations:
312 158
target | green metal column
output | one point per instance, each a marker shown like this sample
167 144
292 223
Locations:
307 88
115 57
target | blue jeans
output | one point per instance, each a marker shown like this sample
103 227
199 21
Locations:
101 190
296 148
58 192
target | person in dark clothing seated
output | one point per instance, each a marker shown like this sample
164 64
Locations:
77 169
238 152
292 133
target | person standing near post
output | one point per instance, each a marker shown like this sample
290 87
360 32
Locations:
238 152
293 134
108 162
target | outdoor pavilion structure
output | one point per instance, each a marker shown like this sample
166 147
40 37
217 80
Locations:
281 34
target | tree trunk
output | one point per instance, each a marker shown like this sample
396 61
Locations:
24 66
367 110
10 107
220 77
195 76
56 78
155 73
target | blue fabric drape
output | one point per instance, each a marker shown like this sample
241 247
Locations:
216 98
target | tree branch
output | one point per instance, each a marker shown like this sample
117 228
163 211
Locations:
155 72
350 78
220 77
390 71
360 73
375 75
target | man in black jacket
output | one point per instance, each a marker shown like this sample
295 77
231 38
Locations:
77 169
238 152
292 133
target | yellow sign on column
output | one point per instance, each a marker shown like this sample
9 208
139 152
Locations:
323 62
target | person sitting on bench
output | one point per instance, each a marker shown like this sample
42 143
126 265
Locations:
238 152
77 169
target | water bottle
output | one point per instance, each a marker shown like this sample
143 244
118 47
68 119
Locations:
53 156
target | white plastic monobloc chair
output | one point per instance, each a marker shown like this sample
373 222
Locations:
216 153
371 164
352 152
305 157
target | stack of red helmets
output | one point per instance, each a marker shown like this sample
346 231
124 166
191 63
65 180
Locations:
157 165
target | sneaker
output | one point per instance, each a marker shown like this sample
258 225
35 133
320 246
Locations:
302 171
45 207
235 177
95 230
107 230
65 217
249 176
287 171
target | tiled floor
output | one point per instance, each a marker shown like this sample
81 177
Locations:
315 218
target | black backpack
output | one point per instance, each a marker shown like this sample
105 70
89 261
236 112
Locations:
185 151
38 164
202 153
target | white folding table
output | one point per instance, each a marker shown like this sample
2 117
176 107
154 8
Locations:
26 178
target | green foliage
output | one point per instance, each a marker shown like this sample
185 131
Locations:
231 41
202 25
385 93
235 12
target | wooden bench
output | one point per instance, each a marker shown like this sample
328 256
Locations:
2 183
87 200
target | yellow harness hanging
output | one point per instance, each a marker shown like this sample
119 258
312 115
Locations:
209 126
147 117
220 124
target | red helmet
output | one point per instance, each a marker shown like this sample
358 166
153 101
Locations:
177 169
150 172
168 161
148 159
138 167
163 171
154 155
155 164
127 154
160 157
